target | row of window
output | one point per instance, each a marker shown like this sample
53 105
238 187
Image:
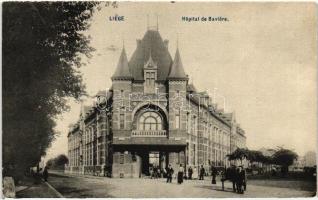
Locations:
73 142
88 157
206 155
74 156
212 133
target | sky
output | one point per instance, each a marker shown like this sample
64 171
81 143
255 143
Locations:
261 63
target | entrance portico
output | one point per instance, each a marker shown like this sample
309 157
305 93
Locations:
136 160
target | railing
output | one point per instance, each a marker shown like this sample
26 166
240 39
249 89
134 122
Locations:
149 133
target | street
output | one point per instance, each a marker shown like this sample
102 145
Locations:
85 187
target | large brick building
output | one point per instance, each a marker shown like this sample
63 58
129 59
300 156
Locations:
151 116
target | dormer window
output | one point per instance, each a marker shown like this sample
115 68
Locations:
150 79
150 76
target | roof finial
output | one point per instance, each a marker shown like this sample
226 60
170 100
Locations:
147 22
157 22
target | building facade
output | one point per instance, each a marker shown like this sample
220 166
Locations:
151 116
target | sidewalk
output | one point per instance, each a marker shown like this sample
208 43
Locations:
30 189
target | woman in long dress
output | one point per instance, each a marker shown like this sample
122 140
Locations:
195 174
180 174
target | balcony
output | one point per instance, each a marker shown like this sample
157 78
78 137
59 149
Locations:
149 133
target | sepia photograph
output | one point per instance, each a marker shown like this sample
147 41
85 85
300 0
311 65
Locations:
171 99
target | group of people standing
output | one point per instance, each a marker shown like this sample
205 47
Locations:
192 173
169 173
237 175
155 172
195 174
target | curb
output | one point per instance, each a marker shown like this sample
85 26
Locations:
54 190
81 175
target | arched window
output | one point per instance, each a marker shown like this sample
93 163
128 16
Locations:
150 121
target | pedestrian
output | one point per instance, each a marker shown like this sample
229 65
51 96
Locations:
180 174
233 177
159 172
151 172
214 173
190 172
202 172
244 178
45 173
169 173
155 172
195 174
239 181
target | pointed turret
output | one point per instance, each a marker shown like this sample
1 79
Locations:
177 71
122 71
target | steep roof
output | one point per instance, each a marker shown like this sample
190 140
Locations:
151 42
177 71
122 70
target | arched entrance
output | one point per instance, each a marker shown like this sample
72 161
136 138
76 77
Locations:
150 122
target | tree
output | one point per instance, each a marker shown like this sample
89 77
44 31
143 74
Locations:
57 162
43 44
239 154
254 156
284 158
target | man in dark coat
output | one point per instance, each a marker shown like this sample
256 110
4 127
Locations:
214 173
240 179
244 178
169 173
45 173
155 171
202 172
190 172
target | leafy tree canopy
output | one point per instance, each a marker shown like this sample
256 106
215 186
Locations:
284 157
239 154
43 43
57 162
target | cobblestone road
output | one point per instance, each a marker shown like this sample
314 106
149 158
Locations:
106 187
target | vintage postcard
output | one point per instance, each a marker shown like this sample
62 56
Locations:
159 99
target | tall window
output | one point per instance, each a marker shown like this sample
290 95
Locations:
150 121
178 120
193 126
122 97
150 78
188 122
122 121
